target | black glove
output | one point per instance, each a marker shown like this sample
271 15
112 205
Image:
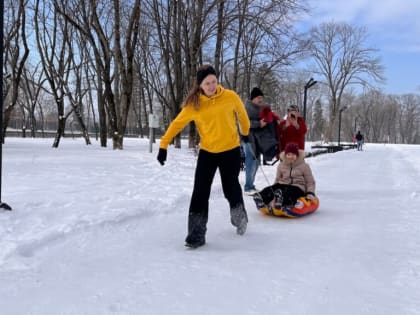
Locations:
162 156
245 139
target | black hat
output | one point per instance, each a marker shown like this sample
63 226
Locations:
256 92
203 72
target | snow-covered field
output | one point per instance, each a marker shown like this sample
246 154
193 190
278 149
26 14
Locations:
96 231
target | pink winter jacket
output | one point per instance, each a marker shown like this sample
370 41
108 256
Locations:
297 174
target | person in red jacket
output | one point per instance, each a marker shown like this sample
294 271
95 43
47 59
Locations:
292 129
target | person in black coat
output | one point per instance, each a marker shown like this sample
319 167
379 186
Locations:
261 140
359 139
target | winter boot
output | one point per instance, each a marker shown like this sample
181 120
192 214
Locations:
194 243
259 201
278 199
239 218
196 230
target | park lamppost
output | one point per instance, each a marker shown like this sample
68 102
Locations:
2 204
308 85
342 109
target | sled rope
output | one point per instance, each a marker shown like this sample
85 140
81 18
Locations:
255 158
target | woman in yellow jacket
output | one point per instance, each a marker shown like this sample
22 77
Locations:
215 111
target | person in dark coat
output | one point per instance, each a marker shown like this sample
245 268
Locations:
359 139
261 137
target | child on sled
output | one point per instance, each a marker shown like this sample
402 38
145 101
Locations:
294 179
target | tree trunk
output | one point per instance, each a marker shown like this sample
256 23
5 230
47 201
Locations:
60 131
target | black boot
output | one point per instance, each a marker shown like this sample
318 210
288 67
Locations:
278 199
239 218
259 202
196 230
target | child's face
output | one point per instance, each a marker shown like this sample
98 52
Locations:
291 157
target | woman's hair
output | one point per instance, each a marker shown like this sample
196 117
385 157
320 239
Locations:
193 97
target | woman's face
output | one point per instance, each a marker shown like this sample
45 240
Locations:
293 114
209 85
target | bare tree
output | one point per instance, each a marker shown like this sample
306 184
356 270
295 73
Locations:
259 36
342 59
16 52
32 89
55 52
232 35
408 118
96 51
167 17
387 118
113 43
180 36
317 130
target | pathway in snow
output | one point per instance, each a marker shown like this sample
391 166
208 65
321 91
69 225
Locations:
359 254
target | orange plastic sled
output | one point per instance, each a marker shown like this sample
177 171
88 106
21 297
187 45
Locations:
302 207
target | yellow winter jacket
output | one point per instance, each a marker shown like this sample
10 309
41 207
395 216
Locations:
215 120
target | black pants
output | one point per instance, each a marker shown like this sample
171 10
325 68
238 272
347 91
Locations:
228 163
290 193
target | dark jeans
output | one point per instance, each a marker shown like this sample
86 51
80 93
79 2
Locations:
228 163
290 193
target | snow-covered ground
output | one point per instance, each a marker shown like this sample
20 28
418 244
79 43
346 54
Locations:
96 231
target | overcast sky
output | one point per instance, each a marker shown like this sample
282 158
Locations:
393 28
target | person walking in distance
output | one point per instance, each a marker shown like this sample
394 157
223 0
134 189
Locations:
215 111
359 140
